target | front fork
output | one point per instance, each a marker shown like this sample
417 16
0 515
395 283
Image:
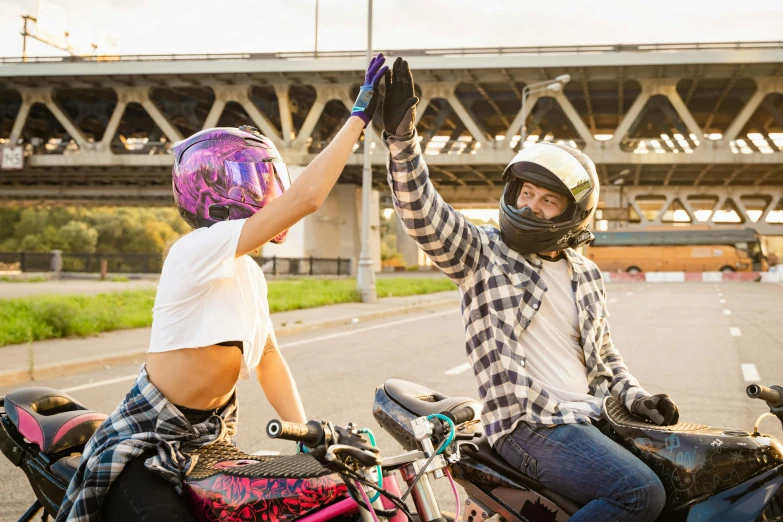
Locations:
423 496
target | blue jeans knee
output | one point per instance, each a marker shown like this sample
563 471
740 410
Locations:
643 494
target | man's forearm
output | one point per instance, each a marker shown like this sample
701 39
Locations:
443 233
624 386
278 384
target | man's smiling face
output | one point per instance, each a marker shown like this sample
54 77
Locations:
544 203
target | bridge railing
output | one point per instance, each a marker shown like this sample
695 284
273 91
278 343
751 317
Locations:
150 263
456 51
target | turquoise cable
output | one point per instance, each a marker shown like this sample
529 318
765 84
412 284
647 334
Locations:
451 432
377 468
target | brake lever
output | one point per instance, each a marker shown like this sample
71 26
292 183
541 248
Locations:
363 457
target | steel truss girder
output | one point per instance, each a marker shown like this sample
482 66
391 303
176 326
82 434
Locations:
294 147
721 195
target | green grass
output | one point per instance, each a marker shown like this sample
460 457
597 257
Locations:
50 317
34 279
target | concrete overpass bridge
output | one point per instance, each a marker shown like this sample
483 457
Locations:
680 132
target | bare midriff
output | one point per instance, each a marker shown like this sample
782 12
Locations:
199 378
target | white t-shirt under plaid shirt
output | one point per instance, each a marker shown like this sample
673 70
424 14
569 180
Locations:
501 292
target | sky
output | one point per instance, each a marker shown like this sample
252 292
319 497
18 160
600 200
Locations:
200 26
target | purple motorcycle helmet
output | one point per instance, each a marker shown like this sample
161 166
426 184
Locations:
226 173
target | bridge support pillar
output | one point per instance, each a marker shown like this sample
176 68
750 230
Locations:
334 230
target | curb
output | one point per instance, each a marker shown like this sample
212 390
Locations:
94 363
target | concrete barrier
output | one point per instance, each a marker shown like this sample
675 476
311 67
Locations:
692 277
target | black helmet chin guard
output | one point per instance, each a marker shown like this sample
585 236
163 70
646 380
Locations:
563 170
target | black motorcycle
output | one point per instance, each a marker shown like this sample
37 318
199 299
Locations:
710 474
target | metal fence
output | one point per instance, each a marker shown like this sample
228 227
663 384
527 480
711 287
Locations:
308 266
458 51
127 263
117 263
26 262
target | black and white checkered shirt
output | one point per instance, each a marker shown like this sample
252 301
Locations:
501 292
144 422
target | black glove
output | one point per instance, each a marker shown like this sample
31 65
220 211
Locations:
659 409
369 94
399 103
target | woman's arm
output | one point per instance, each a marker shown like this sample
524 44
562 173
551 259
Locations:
278 384
306 194
310 189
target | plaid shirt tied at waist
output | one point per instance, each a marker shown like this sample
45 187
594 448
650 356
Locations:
144 421
501 292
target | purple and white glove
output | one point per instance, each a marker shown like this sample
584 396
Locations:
367 102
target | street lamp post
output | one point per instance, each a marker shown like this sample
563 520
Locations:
316 29
549 85
365 277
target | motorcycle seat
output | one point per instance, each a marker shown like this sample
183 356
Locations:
65 467
482 452
422 400
51 419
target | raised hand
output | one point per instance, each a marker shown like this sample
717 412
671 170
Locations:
399 104
367 102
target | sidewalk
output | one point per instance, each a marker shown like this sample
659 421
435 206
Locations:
66 356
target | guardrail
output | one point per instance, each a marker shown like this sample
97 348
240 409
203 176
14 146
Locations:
299 55
148 263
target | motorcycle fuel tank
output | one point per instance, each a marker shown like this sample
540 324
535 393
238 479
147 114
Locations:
694 461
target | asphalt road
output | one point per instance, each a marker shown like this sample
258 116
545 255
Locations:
688 340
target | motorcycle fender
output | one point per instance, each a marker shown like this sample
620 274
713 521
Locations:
13 451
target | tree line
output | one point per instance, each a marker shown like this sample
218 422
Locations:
89 229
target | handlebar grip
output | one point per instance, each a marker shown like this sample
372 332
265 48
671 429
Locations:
310 434
773 396
460 415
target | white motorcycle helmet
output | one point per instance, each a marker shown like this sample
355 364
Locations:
563 170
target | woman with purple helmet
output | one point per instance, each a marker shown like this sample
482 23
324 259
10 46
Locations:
211 323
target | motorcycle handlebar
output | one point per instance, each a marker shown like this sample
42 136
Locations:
310 434
773 396
460 415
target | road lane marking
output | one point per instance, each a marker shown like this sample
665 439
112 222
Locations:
98 383
612 300
735 331
726 311
458 369
720 294
296 343
367 329
750 373
629 293
722 301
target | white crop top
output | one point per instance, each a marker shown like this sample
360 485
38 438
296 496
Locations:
206 296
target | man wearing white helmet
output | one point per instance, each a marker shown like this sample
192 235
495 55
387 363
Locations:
535 317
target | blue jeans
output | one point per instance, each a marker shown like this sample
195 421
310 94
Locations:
583 464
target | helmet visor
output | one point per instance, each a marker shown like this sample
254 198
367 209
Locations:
553 163
256 183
